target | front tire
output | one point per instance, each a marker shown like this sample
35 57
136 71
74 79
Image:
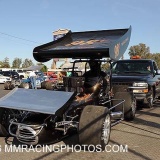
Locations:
149 103
95 126
4 123
24 85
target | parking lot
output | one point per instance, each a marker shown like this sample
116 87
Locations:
138 139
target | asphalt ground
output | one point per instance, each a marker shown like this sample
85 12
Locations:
136 140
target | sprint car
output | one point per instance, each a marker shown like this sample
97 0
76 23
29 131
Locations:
35 116
26 83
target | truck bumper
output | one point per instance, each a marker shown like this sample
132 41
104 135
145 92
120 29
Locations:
142 96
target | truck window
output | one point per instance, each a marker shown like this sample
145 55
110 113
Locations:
140 67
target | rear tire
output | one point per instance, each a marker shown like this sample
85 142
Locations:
49 86
7 85
24 85
43 85
95 126
12 86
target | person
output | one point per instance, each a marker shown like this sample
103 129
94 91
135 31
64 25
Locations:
149 68
32 76
94 74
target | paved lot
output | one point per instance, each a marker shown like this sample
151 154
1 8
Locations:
138 140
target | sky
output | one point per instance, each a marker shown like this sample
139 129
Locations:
26 24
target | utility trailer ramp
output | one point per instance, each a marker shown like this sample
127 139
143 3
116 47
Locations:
41 101
86 45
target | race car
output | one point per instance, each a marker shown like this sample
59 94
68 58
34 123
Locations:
26 83
42 116
13 81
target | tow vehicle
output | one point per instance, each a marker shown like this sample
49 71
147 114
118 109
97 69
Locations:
139 76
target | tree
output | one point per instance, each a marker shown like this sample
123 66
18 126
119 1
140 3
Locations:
142 50
156 58
1 64
5 63
27 63
44 68
16 63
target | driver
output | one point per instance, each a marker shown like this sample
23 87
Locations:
94 74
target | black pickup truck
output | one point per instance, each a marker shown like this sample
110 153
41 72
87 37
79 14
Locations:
140 77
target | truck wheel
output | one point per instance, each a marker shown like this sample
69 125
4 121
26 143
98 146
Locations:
95 126
150 101
4 122
129 105
7 85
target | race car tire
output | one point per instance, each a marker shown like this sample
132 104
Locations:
49 86
129 105
3 118
7 85
43 85
24 85
12 86
94 126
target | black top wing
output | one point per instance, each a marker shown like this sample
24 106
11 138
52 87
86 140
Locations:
88 44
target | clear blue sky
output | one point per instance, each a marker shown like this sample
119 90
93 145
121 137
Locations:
35 20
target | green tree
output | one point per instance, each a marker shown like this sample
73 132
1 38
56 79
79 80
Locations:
27 63
156 58
1 64
44 68
16 63
5 63
141 49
